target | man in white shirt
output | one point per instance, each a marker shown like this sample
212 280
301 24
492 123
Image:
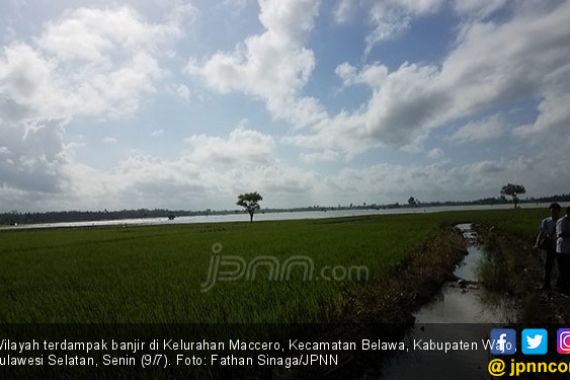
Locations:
563 250
546 241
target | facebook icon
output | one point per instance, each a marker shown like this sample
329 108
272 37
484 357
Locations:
503 342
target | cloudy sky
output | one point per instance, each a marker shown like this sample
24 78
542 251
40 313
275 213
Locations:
186 103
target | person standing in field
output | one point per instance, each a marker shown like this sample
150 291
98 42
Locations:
546 241
563 250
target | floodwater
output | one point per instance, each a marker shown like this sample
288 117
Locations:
461 301
457 312
242 217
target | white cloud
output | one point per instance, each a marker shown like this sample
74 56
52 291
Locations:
273 66
110 140
29 88
388 18
147 181
187 182
482 130
52 80
554 117
445 180
324 156
393 116
373 75
491 63
107 58
242 145
98 63
344 10
98 35
211 172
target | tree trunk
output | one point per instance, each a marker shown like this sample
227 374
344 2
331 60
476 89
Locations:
251 217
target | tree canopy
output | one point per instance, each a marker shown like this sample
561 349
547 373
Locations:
513 190
250 202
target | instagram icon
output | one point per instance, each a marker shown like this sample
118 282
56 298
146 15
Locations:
563 341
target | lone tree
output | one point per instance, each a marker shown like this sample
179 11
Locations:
513 190
413 202
250 202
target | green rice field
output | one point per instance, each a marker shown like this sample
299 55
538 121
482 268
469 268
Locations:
154 274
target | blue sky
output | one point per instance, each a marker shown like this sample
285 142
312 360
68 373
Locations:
185 104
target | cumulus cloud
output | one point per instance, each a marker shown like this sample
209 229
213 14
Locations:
242 145
149 181
272 66
394 115
78 66
490 63
445 180
106 58
554 117
91 62
213 170
90 34
373 75
29 88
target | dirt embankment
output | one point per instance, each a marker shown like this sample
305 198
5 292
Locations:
411 284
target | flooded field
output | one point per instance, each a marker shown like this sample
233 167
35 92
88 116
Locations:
261 216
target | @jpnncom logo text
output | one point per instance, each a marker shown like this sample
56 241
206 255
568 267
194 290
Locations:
227 268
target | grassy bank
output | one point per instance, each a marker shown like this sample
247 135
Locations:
412 283
515 270
153 274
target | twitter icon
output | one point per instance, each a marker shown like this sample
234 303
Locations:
534 341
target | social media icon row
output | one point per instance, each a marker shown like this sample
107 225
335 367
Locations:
533 341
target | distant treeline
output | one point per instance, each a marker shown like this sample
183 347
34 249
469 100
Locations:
11 218
92 216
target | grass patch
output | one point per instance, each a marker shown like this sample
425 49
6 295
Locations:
153 274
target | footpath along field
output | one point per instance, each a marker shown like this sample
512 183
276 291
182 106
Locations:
154 274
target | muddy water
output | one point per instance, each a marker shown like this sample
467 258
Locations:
457 312
462 301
